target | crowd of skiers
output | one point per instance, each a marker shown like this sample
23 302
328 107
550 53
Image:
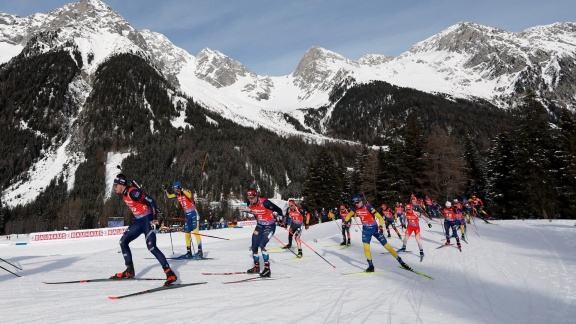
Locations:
294 219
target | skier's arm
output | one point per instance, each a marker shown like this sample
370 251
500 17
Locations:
169 195
270 205
378 216
349 216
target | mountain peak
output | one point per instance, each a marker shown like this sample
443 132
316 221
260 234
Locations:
316 58
321 69
461 38
218 69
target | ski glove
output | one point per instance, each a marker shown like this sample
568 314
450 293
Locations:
380 229
154 224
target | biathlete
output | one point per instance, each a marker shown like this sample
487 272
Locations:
389 220
144 209
450 223
412 218
345 225
192 224
460 218
370 228
295 222
399 211
263 210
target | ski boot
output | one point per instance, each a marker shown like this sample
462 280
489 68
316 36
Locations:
299 253
287 246
389 235
447 242
266 273
459 246
126 274
348 242
370 268
188 255
402 249
255 269
170 277
343 242
421 256
403 264
399 236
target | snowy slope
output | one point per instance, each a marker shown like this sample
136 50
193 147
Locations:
514 272
465 60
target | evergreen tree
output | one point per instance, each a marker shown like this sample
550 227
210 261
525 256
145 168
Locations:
324 183
475 173
535 154
413 154
566 158
504 189
523 178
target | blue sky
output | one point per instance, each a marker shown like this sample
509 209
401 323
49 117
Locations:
271 36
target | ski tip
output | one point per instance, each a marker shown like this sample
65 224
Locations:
113 297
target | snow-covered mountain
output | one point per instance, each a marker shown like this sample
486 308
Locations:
466 60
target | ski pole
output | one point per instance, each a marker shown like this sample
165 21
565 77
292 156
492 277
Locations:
17 267
277 239
17 275
333 266
216 237
169 229
339 228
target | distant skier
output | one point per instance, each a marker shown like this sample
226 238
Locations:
144 209
431 207
262 209
192 224
345 225
389 220
478 207
460 218
294 222
412 218
399 211
450 223
368 216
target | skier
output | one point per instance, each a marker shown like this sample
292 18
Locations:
418 205
294 223
477 206
431 206
389 220
345 225
262 209
450 223
399 210
192 224
368 216
144 209
460 218
412 217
